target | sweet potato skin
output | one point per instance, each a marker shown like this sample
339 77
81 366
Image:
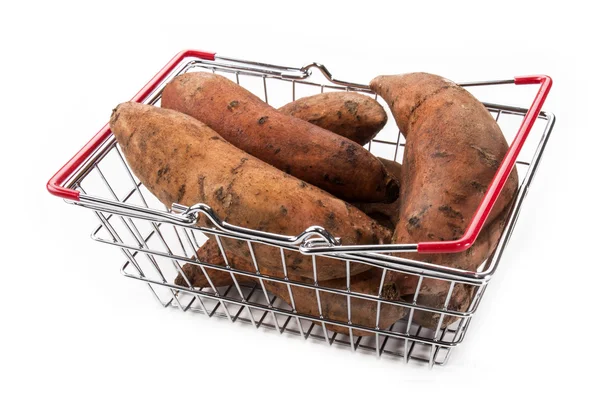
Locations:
386 214
181 160
453 149
453 146
306 151
334 306
393 167
433 292
210 253
349 114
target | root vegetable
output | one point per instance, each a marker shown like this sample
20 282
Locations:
453 149
352 115
181 160
306 151
334 306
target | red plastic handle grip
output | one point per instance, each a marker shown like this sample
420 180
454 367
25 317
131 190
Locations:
502 174
55 183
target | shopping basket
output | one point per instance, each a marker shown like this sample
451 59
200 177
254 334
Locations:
156 241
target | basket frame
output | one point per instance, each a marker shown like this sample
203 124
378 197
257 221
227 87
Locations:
315 241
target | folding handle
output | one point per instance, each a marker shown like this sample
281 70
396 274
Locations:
55 183
501 176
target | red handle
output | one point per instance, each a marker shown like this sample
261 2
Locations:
55 183
502 174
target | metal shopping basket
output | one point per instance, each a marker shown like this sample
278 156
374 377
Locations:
156 242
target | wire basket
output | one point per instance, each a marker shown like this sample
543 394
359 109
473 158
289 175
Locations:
156 242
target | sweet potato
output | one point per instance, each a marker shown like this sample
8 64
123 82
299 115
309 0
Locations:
453 149
209 253
433 292
393 167
385 214
334 306
306 151
349 114
181 160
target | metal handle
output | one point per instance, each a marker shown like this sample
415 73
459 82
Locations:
310 233
501 176
188 216
55 183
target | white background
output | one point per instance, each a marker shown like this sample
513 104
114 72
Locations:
72 327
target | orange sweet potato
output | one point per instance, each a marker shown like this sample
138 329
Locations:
334 306
306 151
349 114
211 254
433 292
453 149
384 213
181 160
